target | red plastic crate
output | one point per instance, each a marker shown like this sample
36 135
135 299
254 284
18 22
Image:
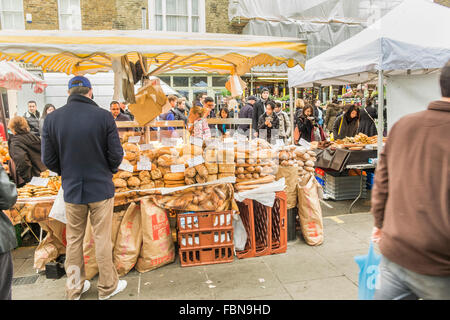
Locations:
246 214
205 239
279 224
266 227
204 221
204 256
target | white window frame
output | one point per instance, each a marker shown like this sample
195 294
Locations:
59 16
2 18
201 14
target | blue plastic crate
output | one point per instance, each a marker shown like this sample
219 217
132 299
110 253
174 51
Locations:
321 181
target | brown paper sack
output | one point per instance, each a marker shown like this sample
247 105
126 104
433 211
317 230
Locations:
157 247
90 261
310 212
150 102
290 174
129 240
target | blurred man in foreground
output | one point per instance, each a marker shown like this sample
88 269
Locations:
411 204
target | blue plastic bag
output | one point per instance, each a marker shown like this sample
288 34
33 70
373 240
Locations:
368 273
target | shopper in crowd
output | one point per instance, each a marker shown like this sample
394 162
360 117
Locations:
25 151
170 115
299 105
124 110
200 99
8 240
209 107
318 112
247 113
180 110
80 143
259 108
48 108
285 123
346 125
198 126
307 127
332 113
367 123
411 204
269 123
32 116
224 128
114 107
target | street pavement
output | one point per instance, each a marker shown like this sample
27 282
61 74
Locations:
325 272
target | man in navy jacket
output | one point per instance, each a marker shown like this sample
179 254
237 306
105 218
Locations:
80 142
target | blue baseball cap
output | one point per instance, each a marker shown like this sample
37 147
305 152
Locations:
79 82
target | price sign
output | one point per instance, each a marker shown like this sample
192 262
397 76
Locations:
148 146
126 167
195 161
177 168
39 182
304 143
144 165
134 139
196 141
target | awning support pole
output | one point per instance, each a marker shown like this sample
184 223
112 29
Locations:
380 111
291 111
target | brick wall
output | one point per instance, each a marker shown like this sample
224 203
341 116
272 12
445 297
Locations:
44 14
129 14
217 18
98 14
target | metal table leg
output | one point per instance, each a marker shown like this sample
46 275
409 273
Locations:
359 195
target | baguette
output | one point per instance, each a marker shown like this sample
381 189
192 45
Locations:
247 187
264 180
174 176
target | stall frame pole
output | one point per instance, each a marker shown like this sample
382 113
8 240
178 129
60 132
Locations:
380 112
291 111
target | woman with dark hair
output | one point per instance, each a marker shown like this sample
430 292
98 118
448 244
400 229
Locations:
224 113
367 121
48 108
25 151
268 121
346 125
307 127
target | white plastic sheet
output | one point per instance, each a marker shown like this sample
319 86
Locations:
264 194
58 211
239 234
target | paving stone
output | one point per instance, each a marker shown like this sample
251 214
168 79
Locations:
297 266
23 252
339 240
336 288
244 281
26 269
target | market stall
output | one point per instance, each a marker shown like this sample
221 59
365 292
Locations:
406 42
162 178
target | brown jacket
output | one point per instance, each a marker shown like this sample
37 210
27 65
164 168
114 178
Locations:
411 195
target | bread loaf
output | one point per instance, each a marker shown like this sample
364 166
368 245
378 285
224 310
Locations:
156 174
202 171
165 160
210 155
227 168
224 175
251 169
212 168
124 175
201 179
119 183
190 180
133 182
159 183
212 177
170 176
240 170
256 175
309 163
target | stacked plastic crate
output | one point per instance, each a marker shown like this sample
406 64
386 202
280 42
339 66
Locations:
266 227
205 238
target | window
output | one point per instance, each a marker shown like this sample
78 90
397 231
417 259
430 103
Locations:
177 15
11 14
69 14
219 81
181 81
